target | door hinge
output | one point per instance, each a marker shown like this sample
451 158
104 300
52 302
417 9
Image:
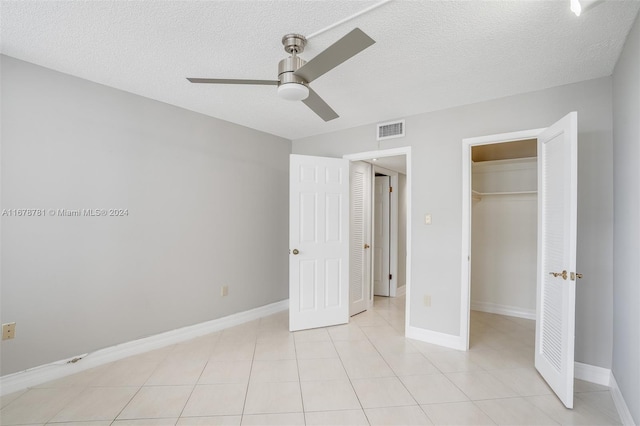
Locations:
390 277
391 189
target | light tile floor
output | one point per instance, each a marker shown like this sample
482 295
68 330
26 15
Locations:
362 373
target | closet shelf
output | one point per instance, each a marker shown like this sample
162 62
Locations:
478 195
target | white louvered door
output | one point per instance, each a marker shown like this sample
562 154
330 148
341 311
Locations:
556 294
319 242
360 237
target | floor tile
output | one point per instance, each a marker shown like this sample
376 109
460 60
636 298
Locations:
273 397
321 369
600 401
337 418
218 372
96 404
313 335
37 405
452 361
210 421
433 389
355 348
127 372
382 392
177 371
514 411
401 416
157 402
269 350
233 351
315 350
328 395
283 419
525 381
283 370
410 364
81 379
367 367
6 399
346 332
457 413
216 400
394 346
583 386
581 414
137 422
480 385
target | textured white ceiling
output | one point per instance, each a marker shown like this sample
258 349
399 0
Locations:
429 55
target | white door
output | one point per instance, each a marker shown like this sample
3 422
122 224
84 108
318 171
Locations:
381 236
319 242
556 288
360 237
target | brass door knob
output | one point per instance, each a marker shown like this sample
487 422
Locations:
296 251
367 246
562 274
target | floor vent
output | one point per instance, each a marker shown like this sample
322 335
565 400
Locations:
391 130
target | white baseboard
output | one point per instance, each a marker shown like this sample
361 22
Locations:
401 291
55 370
592 373
621 405
512 311
436 338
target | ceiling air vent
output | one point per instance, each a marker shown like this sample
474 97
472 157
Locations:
391 130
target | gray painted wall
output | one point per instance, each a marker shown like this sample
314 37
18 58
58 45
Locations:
436 141
626 248
206 198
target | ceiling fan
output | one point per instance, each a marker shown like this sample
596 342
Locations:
295 74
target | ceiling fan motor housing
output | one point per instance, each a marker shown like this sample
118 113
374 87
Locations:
289 83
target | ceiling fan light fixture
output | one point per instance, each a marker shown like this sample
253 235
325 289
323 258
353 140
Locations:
576 7
293 91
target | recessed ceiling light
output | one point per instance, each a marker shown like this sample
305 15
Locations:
576 7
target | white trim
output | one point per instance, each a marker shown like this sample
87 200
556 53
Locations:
465 258
435 337
511 311
620 403
406 151
55 370
592 373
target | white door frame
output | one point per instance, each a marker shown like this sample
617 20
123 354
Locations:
406 151
465 289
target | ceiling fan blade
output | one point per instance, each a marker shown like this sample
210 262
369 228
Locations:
319 106
232 81
350 45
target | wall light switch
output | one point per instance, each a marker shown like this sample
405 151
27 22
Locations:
427 219
224 291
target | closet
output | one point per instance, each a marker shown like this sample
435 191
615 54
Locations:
504 228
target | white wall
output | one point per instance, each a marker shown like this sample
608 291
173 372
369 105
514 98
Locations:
207 203
504 237
436 141
626 161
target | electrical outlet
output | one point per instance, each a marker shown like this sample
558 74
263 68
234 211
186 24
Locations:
8 331
224 291
427 300
427 219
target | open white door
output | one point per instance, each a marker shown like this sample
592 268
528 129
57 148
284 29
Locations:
556 288
381 237
360 237
319 242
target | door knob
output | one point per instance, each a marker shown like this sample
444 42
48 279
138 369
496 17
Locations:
575 275
562 274
367 246
296 251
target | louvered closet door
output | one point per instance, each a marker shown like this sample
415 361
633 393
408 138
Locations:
359 237
557 208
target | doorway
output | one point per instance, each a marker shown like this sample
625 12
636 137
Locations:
395 162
